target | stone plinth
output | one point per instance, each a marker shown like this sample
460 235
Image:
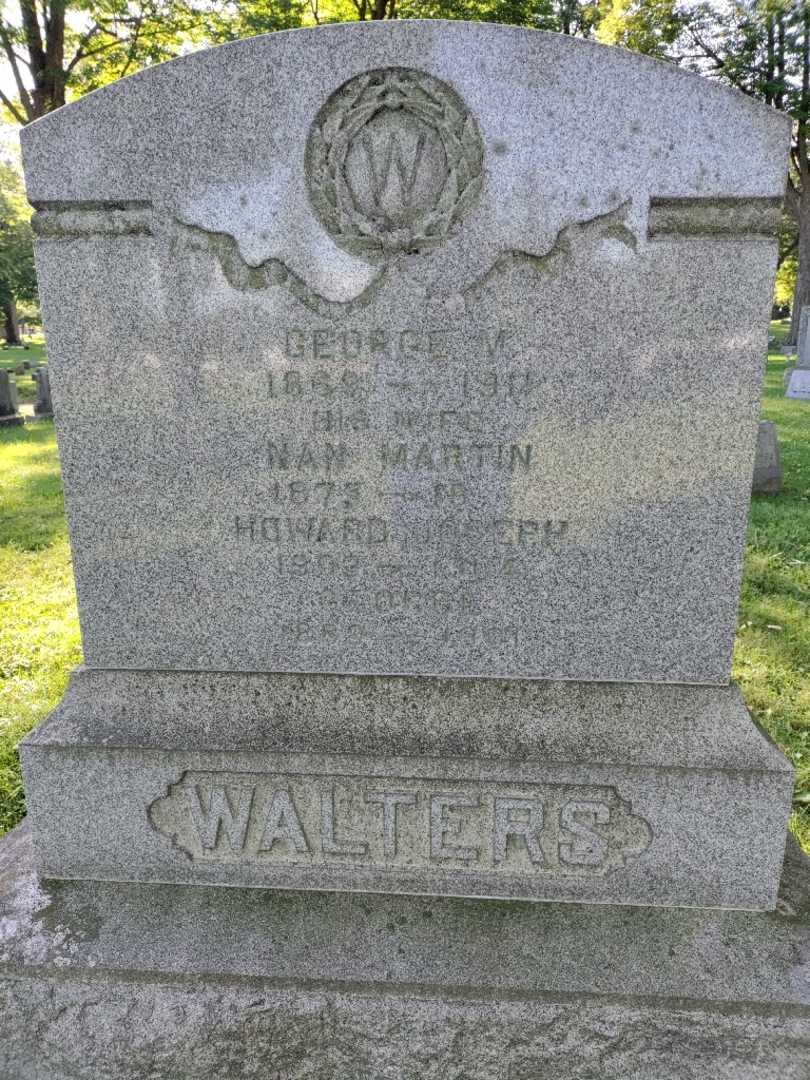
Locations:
601 793
102 981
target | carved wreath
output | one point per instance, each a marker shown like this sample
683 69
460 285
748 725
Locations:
340 121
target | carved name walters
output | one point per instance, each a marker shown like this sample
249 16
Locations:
400 823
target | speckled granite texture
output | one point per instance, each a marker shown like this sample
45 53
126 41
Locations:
223 984
509 431
585 792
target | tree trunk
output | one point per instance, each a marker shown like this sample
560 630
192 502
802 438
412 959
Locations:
12 326
801 206
801 296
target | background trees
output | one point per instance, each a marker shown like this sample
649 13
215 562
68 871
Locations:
51 51
17 278
56 49
761 47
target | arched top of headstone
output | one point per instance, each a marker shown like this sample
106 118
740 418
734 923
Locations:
230 126
540 131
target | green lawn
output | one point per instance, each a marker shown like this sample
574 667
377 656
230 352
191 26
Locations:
772 654
39 633
12 357
39 628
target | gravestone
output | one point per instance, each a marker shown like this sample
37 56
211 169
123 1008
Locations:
799 383
43 405
8 400
767 465
802 342
797 378
407 533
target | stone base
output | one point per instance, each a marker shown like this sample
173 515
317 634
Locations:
580 792
100 981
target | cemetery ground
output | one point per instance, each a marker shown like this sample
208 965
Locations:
39 630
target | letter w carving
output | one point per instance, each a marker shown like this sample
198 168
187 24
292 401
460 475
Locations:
393 156
220 816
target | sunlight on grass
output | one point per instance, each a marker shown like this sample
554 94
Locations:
772 651
39 627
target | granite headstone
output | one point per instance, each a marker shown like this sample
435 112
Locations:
452 465
43 406
799 384
407 518
797 378
767 464
363 375
8 399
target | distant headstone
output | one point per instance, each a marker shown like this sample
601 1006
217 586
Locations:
767 465
8 400
799 384
803 339
407 530
43 405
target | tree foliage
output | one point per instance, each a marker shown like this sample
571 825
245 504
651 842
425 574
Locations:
647 26
563 16
17 277
58 49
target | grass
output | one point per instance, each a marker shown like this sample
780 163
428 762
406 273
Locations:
772 652
39 627
39 632
13 356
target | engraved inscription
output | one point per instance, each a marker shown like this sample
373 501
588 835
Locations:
389 463
401 823
393 162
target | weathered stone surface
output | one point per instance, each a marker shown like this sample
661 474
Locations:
215 984
578 792
767 464
406 373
